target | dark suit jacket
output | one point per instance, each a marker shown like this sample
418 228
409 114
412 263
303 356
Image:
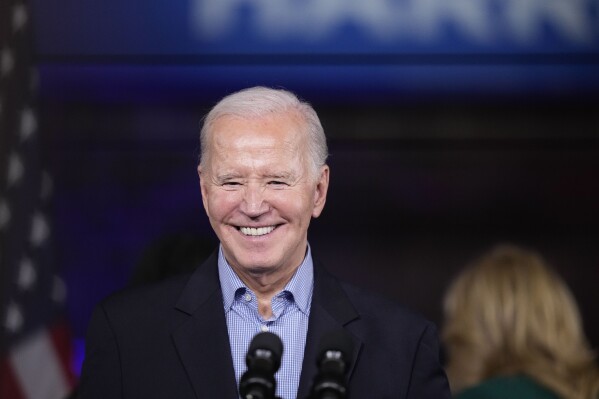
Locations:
170 340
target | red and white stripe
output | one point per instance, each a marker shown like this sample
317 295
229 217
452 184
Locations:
38 367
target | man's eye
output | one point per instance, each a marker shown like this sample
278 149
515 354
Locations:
231 184
277 183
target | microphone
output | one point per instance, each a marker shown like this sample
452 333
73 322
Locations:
263 360
333 362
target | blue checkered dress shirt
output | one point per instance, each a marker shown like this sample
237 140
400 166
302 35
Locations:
290 308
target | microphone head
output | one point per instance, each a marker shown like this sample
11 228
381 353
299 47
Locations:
265 352
335 352
334 356
263 360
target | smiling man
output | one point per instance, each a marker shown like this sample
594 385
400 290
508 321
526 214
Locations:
263 177
260 189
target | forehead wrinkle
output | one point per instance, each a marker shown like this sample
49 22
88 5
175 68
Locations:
282 167
265 146
295 132
290 146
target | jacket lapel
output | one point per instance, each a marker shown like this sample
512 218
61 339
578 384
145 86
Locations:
331 310
203 341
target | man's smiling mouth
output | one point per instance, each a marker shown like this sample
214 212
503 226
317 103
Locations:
256 231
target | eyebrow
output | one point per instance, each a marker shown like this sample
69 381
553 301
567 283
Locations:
227 176
283 176
233 176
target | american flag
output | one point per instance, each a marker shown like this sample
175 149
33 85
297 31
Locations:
35 350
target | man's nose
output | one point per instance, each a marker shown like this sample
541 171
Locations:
254 203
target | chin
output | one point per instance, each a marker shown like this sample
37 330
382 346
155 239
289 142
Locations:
251 261
258 270
258 266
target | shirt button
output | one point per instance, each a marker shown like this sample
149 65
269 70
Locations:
264 328
247 297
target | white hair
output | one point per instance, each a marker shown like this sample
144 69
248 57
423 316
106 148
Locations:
256 102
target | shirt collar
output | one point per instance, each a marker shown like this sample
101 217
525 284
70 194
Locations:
300 286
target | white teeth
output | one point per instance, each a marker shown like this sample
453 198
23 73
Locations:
253 231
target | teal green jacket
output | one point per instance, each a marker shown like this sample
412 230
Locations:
507 387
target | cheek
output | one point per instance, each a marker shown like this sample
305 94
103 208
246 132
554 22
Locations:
222 203
291 202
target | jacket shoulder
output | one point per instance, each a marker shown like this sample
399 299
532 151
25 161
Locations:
370 305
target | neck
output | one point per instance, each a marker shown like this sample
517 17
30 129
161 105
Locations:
265 283
266 286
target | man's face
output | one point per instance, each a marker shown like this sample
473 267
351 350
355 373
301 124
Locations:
260 193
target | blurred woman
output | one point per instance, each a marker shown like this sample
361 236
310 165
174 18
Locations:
513 330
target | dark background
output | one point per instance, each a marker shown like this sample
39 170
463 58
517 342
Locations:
440 149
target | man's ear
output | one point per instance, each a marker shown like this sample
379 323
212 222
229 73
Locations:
320 193
203 189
